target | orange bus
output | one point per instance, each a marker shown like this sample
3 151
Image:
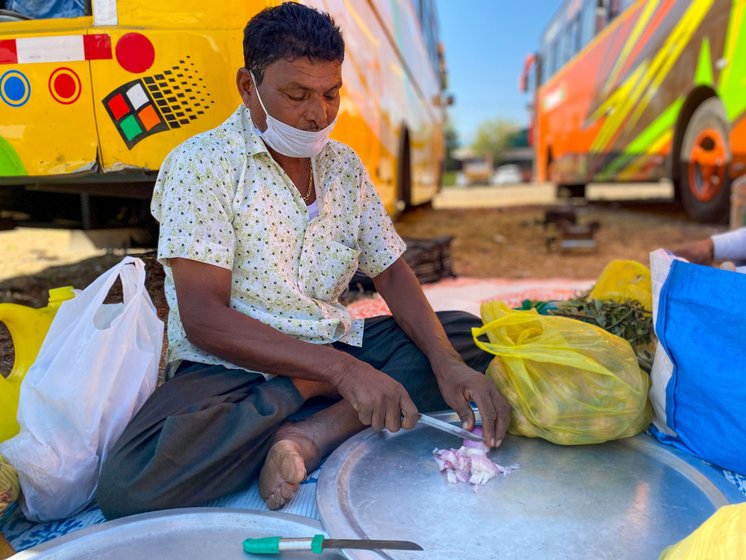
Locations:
91 103
644 90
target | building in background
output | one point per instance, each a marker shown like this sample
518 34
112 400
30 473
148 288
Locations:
640 91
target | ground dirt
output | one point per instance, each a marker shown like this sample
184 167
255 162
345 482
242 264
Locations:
505 243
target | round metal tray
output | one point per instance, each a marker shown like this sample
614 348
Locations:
625 499
181 534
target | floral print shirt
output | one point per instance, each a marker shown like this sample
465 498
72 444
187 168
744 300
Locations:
221 199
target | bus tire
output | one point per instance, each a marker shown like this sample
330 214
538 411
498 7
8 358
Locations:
704 164
404 175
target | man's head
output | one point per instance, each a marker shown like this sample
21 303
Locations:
295 54
290 31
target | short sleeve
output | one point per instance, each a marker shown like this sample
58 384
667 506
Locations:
730 245
379 243
192 201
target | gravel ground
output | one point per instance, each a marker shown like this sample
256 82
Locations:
507 243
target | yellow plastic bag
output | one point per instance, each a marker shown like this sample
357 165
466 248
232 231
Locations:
721 537
567 381
622 280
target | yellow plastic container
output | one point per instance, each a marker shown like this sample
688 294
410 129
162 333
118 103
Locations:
28 327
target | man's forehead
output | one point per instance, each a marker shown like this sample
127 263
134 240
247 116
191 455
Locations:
301 72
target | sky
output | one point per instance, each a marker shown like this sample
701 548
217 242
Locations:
486 42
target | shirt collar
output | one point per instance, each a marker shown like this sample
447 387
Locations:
254 144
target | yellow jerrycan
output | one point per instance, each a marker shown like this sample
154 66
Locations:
28 327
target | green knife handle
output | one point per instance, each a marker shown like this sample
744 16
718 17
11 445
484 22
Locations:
275 545
267 545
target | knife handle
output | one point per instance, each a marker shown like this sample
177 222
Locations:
275 545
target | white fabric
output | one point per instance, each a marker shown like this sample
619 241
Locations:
291 141
730 246
662 370
223 200
97 366
313 209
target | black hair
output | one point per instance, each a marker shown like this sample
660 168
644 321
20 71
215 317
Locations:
290 31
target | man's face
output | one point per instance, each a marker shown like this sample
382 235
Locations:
300 93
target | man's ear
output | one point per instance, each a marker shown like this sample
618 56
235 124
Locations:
245 85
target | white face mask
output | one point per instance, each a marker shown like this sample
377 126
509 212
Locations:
288 140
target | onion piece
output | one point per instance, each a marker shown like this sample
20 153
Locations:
469 464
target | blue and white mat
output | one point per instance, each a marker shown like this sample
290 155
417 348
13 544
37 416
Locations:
23 534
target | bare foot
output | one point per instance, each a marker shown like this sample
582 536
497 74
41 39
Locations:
299 447
282 473
286 465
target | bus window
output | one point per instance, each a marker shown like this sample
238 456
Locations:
606 11
601 16
556 55
45 9
578 35
567 43
429 23
615 8
588 21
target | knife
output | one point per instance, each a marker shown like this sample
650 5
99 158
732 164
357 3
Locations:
317 544
448 428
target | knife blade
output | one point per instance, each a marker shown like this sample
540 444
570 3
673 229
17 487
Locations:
444 426
317 544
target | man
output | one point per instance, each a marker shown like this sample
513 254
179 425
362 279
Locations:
728 246
263 222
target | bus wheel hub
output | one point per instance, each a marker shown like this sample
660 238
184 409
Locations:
707 164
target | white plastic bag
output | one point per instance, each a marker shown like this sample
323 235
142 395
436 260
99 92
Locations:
660 375
96 367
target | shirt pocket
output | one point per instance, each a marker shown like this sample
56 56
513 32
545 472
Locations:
326 268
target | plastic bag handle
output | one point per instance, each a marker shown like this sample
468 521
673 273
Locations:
133 281
550 354
476 332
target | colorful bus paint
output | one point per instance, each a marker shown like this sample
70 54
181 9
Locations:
645 90
107 96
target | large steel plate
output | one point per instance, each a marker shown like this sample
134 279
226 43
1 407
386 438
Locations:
179 534
625 499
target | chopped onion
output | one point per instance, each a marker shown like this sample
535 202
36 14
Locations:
469 463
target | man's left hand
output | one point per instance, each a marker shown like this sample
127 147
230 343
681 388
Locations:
459 385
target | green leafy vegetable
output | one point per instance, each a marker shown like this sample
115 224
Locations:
628 320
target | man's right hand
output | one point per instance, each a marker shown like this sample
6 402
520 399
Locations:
697 252
380 401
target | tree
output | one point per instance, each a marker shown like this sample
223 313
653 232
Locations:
452 143
492 137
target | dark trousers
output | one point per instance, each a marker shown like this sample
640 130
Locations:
206 432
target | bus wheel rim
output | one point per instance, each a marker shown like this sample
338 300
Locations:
707 164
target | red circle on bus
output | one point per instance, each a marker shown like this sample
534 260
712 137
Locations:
65 86
135 53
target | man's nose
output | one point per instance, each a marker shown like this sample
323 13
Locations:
316 113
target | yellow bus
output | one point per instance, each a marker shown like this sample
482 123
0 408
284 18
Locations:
91 103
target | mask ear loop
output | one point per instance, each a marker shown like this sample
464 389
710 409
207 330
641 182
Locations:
259 97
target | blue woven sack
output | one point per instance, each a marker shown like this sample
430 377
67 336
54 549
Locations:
701 379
